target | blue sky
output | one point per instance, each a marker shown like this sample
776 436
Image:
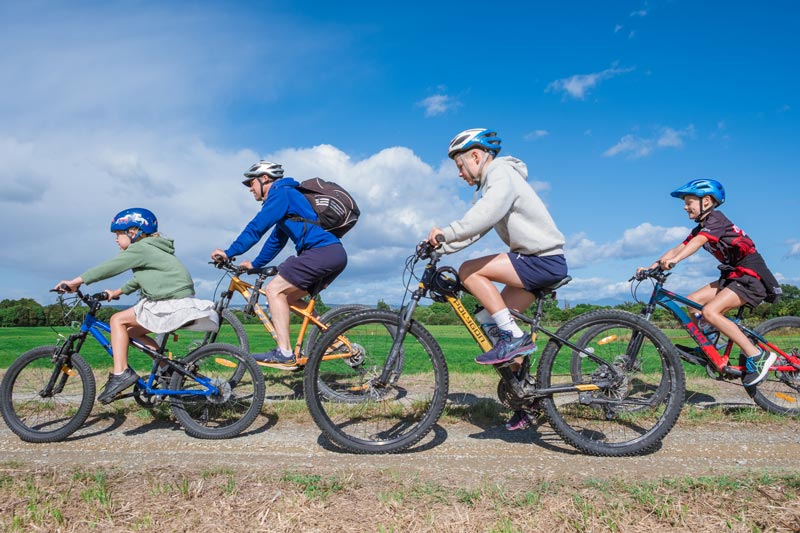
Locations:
107 105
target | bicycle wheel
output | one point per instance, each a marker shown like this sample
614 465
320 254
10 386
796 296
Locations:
36 416
780 392
375 417
640 379
329 318
238 401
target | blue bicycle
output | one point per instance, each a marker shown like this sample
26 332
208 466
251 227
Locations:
47 393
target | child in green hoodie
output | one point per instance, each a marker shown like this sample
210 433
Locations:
165 284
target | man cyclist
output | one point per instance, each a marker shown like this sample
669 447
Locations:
320 255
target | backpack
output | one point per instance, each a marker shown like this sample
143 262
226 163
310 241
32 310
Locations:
335 207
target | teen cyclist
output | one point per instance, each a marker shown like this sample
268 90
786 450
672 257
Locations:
510 206
320 255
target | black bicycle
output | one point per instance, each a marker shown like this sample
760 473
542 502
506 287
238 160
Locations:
395 373
47 393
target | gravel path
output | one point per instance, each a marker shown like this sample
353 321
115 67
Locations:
460 454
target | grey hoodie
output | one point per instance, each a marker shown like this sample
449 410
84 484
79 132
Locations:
510 206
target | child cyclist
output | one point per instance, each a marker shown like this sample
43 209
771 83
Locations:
166 287
535 258
744 276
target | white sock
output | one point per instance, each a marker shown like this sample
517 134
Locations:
506 322
286 353
488 325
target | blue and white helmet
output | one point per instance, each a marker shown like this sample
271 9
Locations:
135 217
475 138
701 187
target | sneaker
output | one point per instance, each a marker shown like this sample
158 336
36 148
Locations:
275 357
117 384
507 349
524 420
757 367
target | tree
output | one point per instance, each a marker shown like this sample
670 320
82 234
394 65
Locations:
24 312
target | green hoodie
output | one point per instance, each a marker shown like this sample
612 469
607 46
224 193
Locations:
156 271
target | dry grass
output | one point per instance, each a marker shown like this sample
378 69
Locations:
223 500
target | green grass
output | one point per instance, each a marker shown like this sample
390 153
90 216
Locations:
458 346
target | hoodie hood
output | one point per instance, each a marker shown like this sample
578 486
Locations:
284 182
164 244
518 166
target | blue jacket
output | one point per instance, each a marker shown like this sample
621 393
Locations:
282 201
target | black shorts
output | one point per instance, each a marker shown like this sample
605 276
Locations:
315 268
537 271
748 288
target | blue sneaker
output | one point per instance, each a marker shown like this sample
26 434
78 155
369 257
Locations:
275 357
757 367
506 349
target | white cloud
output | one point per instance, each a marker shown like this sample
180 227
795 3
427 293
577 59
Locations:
639 13
579 85
644 241
536 135
635 146
438 104
794 249
61 226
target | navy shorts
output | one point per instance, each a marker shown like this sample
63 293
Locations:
748 288
315 268
537 271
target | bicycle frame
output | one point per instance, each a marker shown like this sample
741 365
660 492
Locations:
251 291
515 379
671 301
95 327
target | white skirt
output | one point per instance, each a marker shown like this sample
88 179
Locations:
164 316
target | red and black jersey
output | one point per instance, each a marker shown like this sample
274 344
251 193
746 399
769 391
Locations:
736 251
726 241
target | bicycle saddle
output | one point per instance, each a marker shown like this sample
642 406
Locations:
264 271
543 292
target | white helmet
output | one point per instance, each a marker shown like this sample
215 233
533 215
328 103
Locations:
263 168
475 138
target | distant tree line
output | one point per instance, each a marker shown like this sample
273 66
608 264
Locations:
27 312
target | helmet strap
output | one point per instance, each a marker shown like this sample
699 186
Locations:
135 237
477 179
704 212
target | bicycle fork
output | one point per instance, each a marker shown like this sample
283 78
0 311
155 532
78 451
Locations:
394 363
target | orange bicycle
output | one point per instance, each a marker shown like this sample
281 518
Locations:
233 331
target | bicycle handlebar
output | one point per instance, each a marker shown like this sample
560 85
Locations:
657 273
89 299
425 249
237 270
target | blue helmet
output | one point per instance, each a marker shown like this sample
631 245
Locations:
475 138
700 188
135 217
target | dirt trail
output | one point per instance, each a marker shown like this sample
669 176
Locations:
456 454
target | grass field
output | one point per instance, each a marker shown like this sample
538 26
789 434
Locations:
459 348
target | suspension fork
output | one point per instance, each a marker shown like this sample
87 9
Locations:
391 369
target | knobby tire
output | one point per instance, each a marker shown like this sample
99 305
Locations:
46 419
374 418
631 413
